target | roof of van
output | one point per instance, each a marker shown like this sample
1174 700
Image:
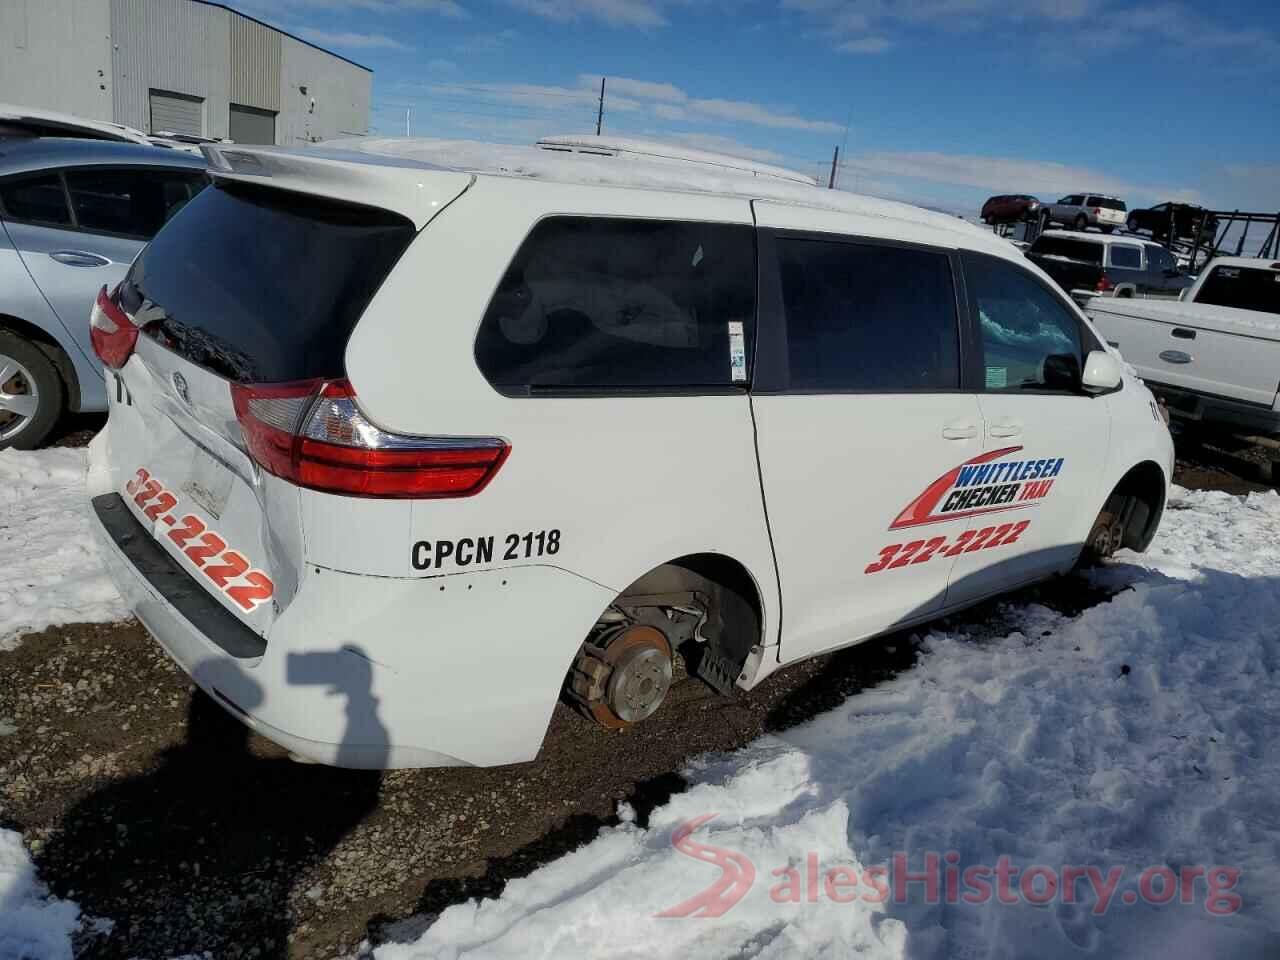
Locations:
328 166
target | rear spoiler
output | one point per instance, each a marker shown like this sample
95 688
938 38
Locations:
413 189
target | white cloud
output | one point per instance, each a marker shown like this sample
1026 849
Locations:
873 43
743 111
488 42
618 13
351 41
448 8
1048 178
869 26
633 97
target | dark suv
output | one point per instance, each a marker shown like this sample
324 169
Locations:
1166 221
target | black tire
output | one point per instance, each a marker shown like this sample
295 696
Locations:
49 389
1108 229
1082 222
1132 225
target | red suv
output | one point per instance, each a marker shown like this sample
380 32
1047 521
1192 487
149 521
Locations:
1010 208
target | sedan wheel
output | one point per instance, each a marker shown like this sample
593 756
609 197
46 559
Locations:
31 393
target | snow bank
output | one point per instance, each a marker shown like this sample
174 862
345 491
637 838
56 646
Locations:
1137 739
52 571
33 926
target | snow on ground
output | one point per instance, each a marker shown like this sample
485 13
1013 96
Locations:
51 571
33 925
1138 739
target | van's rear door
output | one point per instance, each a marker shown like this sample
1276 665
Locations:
248 284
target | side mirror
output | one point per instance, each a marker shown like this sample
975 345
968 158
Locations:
1101 372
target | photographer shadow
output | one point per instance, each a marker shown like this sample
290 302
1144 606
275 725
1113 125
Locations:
204 851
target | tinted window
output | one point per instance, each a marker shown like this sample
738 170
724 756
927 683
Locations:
864 317
600 304
39 199
1160 258
1126 256
262 285
1030 341
1242 287
135 201
1107 203
1086 251
1074 200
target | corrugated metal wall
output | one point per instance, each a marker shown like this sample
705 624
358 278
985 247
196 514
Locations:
255 64
103 58
341 92
175 46
56 54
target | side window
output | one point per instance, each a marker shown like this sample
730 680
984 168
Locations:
601 305
1030 340
36 199
1126 255
1160 258
135 201
863 317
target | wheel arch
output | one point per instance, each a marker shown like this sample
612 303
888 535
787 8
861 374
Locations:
50 347
736 591
1146 483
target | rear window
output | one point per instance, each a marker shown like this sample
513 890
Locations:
1242 287
1124 255
263 286
1082 250
134 201
37 199
1106 203
605 305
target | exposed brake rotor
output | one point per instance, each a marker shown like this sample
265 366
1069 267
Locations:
622 676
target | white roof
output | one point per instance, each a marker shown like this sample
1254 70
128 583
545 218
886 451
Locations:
653 167
1253 263
1099 237
68 124
656 150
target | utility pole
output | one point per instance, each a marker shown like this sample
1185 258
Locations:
600 114
406 120
835 159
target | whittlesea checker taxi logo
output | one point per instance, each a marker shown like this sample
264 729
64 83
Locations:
986 484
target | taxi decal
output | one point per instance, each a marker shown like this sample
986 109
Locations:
984 484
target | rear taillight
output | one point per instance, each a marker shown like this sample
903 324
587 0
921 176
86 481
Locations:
312 433
1104 284
1097 211
112 333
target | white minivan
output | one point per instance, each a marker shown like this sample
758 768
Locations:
399 455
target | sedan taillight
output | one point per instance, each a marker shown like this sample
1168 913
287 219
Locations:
1104 284
312 433
111 331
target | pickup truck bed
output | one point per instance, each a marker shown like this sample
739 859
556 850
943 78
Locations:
1212 363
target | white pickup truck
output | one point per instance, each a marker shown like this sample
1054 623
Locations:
1214 354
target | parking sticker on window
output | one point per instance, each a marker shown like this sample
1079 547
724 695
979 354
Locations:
737 352
997 378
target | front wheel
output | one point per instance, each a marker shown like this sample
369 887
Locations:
32 396
1082 222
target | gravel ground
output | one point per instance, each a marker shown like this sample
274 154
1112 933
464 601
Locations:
145 803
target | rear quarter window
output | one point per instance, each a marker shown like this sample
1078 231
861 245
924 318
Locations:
1085 251
602 305
1126 257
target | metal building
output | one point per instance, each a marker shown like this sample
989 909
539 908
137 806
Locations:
180 66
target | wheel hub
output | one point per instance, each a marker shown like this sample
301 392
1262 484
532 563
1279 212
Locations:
623 678
19 397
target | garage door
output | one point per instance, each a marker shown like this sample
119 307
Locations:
251 125
177 113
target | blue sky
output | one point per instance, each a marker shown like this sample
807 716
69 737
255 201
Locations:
945 101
